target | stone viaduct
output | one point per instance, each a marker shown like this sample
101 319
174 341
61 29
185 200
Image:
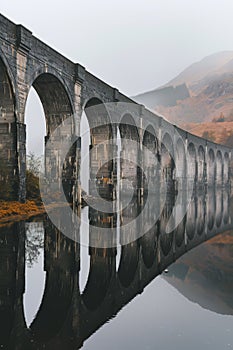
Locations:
66 89
68 316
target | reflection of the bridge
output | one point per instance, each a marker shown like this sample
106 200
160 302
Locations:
67 316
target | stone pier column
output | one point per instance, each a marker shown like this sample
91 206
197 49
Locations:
21 152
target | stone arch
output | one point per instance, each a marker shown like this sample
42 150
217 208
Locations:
101 148
226 168
9 145
201 165
129 167
211 170
128 263
167 161
150 140
128 127
180 160
192 162
55 99
59 112
150 157
219 168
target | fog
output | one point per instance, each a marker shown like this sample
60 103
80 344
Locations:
133 45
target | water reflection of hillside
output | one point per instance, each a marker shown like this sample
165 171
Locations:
68 315
205 275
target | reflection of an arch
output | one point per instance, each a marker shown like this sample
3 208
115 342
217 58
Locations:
67 317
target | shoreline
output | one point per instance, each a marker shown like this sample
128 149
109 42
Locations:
14 211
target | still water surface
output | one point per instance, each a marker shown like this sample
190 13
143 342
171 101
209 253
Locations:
163 291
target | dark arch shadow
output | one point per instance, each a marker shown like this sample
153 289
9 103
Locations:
130 169
201 164
179 232
99 278
150 164
180 160
101 155
201 215
128 263
57 108
191 219
59 286
219 168
211 170
192 162
167 161
149 246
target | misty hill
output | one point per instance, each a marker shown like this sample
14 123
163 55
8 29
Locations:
166 96
208 66
201 92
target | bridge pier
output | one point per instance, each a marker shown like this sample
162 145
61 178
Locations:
12 141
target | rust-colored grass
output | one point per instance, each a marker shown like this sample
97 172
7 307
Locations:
15 208
15 211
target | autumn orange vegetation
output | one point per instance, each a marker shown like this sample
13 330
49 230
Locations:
217 132
15 208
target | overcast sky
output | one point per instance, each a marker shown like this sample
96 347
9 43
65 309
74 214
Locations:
133 45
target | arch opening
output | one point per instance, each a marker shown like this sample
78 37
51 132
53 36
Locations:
150 158
192 162
201 165
211 168
98 143
219 169
56 107
167 162
130 172
180 163
226 168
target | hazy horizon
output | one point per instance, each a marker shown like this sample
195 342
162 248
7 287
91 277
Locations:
135 48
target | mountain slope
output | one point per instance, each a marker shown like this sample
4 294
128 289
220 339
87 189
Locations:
201 92
208 66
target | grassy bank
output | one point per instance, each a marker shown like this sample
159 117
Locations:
15 211
11 211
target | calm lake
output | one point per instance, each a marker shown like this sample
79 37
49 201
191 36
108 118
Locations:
162 289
